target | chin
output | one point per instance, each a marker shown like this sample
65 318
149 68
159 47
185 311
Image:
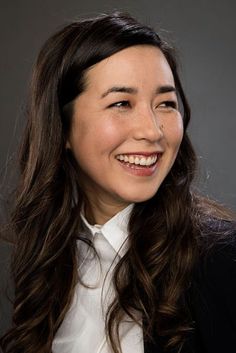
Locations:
138 197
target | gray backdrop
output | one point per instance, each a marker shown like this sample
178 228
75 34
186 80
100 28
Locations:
204 33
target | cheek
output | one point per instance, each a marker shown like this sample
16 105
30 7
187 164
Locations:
96 137
106 135
174 133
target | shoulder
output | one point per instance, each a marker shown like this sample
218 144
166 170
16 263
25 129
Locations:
217 249
215 271
216 265
213 288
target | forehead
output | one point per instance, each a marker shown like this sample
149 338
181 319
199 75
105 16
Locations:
138 65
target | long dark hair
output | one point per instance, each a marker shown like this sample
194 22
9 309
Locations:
153 275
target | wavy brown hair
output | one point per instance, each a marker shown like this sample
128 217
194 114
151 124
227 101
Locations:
155 272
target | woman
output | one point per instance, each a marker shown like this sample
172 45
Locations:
114 251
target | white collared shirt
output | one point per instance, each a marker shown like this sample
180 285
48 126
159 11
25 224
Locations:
83 328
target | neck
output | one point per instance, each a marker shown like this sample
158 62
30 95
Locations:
99 212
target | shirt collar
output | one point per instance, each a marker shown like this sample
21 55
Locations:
115 230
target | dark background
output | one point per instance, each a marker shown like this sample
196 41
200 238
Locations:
204 33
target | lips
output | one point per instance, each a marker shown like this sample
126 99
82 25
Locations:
140 164
143 159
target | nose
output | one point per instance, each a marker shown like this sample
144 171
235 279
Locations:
148 126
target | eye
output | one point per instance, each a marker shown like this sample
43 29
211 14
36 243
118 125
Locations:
168 104
121 104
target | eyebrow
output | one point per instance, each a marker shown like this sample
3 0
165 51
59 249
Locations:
132 90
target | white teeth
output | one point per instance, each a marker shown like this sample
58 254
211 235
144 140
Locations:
131 159
144 161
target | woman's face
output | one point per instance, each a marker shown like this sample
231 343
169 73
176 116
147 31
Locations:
126 127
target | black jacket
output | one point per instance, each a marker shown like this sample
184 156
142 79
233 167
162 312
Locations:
212 298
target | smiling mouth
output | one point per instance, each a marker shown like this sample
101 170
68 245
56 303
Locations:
137 161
